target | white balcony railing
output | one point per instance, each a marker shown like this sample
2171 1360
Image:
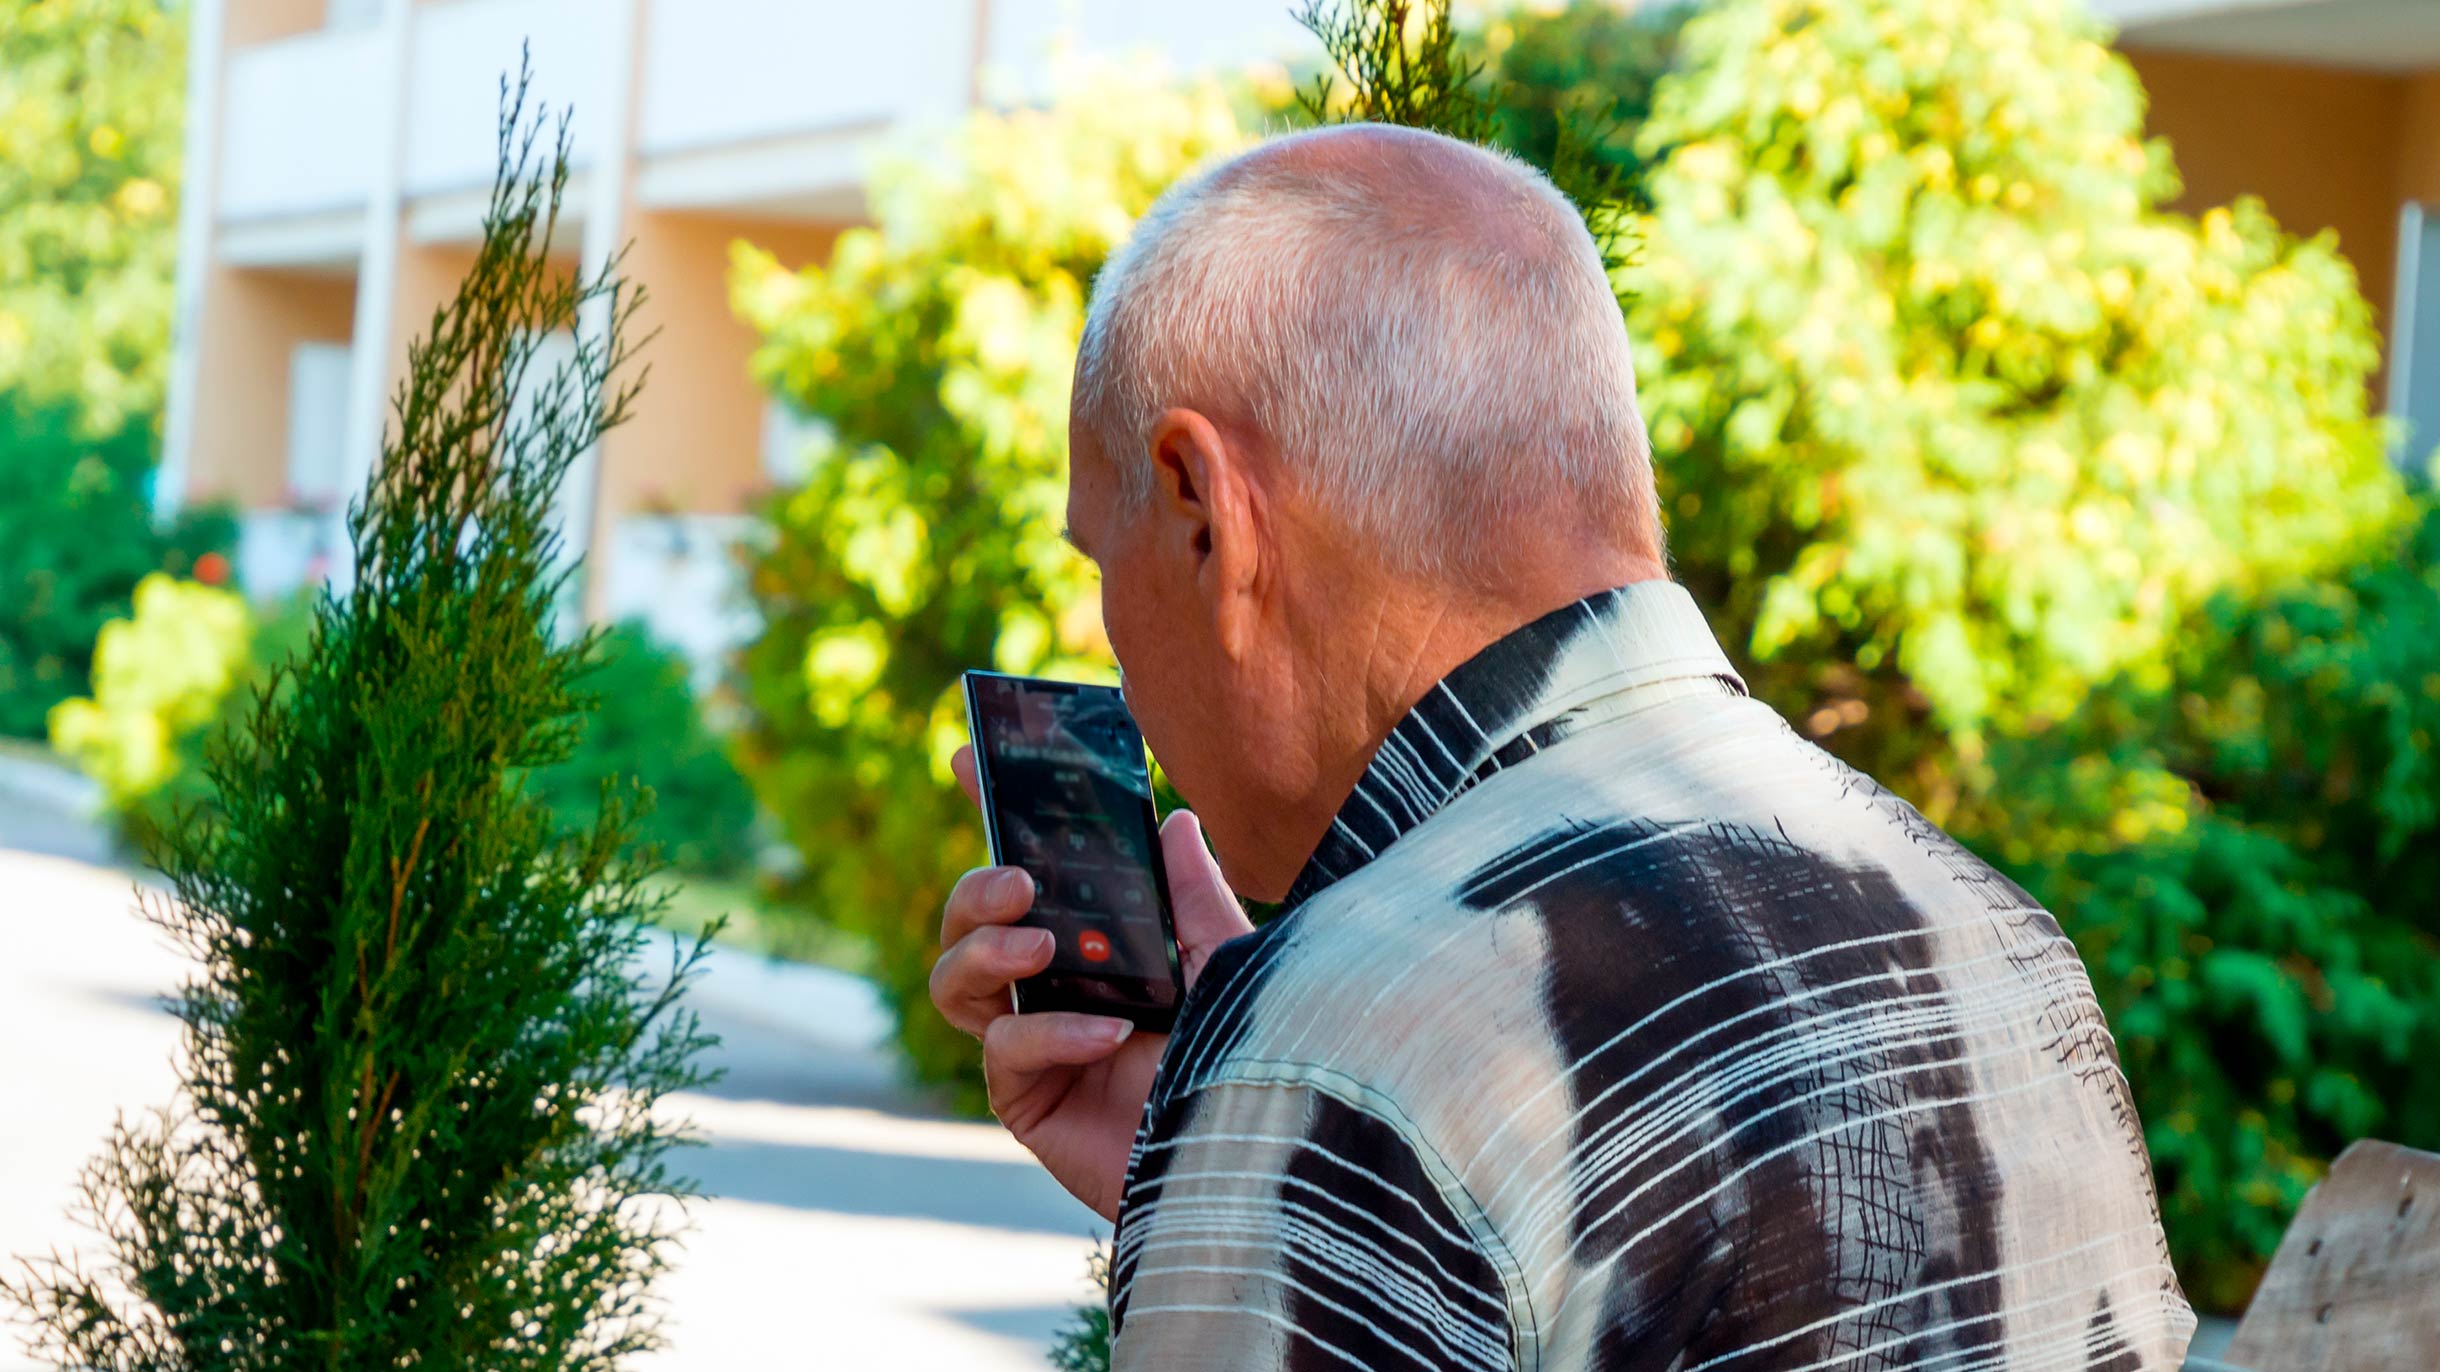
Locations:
2130 13
453 92
782 81
299 124
1209 35
718 72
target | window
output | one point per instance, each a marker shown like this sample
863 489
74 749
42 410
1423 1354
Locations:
317 425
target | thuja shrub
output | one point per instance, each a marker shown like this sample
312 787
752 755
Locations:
416 1120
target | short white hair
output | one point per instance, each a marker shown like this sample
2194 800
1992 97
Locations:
1423 328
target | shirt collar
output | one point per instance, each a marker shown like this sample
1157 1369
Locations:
1509 701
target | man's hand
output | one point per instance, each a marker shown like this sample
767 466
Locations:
1070 1086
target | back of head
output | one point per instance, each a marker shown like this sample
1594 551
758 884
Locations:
1421 328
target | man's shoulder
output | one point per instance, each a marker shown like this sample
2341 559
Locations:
1357 992
1679 983
1578 894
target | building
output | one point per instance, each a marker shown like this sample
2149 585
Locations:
339 155
2329 110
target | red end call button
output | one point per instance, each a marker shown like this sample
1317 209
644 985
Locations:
1094 944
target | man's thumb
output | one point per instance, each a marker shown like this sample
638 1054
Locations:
1207 912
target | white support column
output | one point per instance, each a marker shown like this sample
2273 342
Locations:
605 230
979 54
196 211
376 283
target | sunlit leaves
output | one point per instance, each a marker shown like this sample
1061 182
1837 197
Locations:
1947 384
158 678
91 110
2008 479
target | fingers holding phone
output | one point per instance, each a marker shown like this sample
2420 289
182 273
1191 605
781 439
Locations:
1060 774
1205 910
961 766
1074 928
983 951
1068 1085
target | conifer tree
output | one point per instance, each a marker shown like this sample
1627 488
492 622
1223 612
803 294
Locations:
1405 63
420 1059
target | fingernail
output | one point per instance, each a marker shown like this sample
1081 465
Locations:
1010 887
1040 942
1114 1030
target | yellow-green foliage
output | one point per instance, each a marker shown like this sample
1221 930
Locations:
158 680
938 344
91 105
1936 385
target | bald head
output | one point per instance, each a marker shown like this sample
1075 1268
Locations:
1421 329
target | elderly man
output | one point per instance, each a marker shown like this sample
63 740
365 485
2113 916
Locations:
1606 1023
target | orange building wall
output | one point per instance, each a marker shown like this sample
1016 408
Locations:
694 443
257 318
428 275
2419 139
259 21
2322 148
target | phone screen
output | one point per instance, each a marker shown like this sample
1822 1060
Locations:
1067 796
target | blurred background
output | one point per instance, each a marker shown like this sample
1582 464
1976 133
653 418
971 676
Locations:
2043 397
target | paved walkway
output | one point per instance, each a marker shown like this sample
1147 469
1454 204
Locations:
848 1225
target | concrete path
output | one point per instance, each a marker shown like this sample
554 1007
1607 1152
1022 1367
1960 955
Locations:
848 1225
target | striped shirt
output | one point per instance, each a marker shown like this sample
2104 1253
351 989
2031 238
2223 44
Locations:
1613 1026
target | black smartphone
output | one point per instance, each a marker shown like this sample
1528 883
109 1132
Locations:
1068 797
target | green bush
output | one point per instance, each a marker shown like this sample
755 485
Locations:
185 669
76 535
168 681
645 723
91 102
1943 399
2270 953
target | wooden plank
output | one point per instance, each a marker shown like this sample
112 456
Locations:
2355 1286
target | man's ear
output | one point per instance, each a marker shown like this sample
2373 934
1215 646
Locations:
1205 498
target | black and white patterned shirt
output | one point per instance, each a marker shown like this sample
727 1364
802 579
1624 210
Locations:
1614 1026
